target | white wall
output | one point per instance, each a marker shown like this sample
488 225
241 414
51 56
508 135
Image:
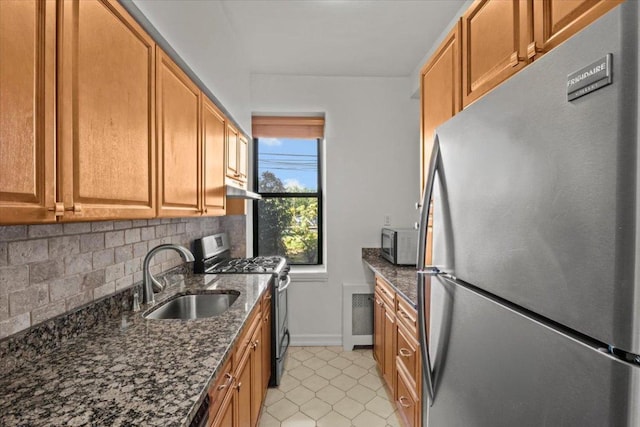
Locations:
201 34
372 169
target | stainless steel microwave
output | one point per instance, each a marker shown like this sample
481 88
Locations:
399 245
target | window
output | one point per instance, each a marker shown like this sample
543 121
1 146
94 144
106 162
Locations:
287 170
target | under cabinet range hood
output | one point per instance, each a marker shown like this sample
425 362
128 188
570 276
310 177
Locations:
234 192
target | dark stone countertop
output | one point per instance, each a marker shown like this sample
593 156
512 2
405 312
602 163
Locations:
402 278
129 370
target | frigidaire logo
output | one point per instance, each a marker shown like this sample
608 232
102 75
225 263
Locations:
597 69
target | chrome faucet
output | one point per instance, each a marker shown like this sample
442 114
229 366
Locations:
148 281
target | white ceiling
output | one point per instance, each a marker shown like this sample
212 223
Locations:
338 37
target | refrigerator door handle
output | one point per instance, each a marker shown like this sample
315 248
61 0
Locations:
427 371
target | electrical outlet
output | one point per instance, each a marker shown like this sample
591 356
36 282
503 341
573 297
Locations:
387 219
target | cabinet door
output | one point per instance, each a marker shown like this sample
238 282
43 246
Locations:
440 93
266 343
106 113
179 154
213 128
407 355
256 374
495 36
244 394
227 414
406 401
27 78
389 347
243 158
232 152
557 20
378 331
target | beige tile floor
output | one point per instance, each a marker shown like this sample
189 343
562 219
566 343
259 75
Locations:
329 387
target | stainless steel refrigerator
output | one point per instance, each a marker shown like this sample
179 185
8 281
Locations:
535 286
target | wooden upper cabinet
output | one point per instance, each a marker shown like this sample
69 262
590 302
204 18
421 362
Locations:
495 37
179 154
106 165
233 139
27 143
243 158
213 142
557 20
440 93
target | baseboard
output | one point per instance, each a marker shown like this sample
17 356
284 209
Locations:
316 340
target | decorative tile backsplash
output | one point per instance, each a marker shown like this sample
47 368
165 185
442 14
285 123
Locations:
47 270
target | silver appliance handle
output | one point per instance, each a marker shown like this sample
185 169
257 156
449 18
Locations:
427 371
286 285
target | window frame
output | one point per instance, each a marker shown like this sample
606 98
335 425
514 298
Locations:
318 194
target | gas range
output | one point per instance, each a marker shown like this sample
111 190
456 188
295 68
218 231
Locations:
213 256
261 264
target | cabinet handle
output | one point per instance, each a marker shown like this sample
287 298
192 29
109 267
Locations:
58 208
533 50
238 386
77 208
514 60
227 383
402 401
405 315
404 352
205 210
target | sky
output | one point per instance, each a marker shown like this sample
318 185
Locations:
294 161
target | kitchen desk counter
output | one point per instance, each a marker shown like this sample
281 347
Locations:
129 370
403 279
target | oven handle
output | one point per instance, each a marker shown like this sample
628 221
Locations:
286 335
286 285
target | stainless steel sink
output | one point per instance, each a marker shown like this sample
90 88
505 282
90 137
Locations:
194 306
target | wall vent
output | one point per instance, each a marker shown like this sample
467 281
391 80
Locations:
357 315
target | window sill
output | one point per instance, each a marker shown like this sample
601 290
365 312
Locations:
310 273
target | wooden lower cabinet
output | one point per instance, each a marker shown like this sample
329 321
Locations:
256 374
397 352
378 329
389 348
407 401
237 395
243 388
226 416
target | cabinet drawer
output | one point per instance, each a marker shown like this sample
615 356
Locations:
242 345
407 356
220 388
407 401
408 316
386 292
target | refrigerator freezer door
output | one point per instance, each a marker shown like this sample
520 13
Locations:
538 194
495 367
